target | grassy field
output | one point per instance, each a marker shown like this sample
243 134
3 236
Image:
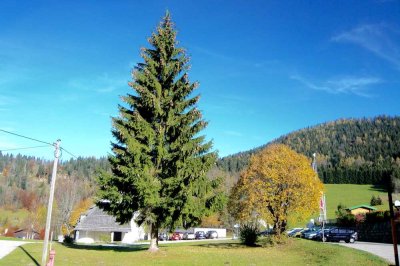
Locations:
13 218
296 252
351 195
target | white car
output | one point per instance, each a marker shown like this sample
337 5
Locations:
188 236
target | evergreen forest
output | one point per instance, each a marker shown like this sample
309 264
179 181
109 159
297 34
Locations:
351 151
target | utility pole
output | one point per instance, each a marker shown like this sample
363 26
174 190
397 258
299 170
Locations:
392 222
322 202
50 205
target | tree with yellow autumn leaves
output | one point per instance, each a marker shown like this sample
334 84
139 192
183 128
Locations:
277 184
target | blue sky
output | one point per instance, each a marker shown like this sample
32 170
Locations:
265 68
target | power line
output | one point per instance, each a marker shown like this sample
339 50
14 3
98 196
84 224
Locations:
41 141
24 148
25 137
69 153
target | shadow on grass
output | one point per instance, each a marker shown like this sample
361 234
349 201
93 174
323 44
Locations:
378 188
107 248
29 255
225 245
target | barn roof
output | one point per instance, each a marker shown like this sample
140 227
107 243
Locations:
98 220
361 206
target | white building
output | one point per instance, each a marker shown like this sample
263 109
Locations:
96 225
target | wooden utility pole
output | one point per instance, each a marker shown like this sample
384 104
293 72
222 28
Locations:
50 204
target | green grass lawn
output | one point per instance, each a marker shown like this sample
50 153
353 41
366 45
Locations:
295 252
351 195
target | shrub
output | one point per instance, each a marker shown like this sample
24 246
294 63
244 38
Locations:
375 201
377 217
68 240
348 220
249 234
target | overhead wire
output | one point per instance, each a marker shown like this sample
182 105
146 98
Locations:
15 134
69 153
37 140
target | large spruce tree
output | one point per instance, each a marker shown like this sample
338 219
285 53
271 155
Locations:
159 161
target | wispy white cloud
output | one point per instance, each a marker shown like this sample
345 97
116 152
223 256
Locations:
380 39
104 83
346 85
233 133
211 53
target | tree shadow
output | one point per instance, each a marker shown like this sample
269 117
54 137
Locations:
378 188
30 256
224 245
106 247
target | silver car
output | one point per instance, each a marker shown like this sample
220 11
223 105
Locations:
189 236
212 234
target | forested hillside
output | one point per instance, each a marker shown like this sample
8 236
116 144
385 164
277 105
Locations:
348 150
356 151
24 184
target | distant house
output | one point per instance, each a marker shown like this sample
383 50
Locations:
96 225
26 234
360 209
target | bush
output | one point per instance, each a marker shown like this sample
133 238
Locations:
249 234
376 201
348 220
68 240
377 217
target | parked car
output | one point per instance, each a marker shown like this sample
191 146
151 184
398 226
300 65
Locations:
319 235
163 237
346 234
200 235
212 234
290 231
266 232
308 233
188 236
175 236
296 233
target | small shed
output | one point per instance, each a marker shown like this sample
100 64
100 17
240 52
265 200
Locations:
360 209
26 234
96 225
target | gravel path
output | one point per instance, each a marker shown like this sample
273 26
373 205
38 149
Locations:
382 250
7 246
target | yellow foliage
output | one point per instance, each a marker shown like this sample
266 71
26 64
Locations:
278 182
211 221
79 209
64 230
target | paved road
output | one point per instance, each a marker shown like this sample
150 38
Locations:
382 250
7 246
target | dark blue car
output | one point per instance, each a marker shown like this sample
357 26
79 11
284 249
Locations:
200 235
